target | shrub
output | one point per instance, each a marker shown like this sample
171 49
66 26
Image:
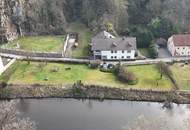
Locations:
3 84
132 79
126 76
94 64
116 69
153 51
122 75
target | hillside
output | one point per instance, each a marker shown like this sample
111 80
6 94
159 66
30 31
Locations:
129 17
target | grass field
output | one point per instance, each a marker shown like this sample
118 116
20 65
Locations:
84 39
182 75
34 73
38 43
148 76
37 73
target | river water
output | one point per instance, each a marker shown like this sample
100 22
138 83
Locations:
72 114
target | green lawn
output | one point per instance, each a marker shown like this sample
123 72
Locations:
144 52
182 75
148 76
84 39
38 43
36 73
33 74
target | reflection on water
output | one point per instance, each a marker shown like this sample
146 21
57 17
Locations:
71 114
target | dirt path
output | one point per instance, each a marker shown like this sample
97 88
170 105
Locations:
68 52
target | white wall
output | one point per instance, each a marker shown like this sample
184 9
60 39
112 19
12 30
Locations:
119 55
180 50
183 50
4 68
171 46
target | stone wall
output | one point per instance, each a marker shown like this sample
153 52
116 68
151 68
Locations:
31 54
39 56
93 92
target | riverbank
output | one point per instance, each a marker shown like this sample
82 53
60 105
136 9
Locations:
81 91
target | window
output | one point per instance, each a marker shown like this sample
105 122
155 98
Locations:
111 51
129 51
115 57
104 57
122 57
123 51
128 57
115 51
111 57
184 48
178 48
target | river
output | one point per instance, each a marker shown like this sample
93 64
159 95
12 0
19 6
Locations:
72 114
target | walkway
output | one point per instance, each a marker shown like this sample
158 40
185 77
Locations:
152 61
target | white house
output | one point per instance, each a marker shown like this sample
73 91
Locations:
108 47
179 45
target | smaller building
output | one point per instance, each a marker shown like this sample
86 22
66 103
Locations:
179 45
108 47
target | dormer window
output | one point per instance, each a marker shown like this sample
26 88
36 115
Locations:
114 44
128 44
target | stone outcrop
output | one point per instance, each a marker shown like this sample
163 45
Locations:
8 30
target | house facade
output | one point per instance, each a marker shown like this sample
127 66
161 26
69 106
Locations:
108 47
179 45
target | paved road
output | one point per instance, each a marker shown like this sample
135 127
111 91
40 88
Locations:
48 59
151 61
59 59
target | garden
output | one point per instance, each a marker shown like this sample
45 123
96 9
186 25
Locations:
56 73
37 43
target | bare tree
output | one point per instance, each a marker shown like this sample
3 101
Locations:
164 69
9 119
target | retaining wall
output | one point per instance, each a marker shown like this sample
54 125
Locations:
31 54
93 92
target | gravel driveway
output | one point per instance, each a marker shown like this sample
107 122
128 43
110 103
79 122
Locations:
164 53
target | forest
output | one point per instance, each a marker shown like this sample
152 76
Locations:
145 19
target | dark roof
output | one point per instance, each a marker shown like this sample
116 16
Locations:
127 43
181 40
161 42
